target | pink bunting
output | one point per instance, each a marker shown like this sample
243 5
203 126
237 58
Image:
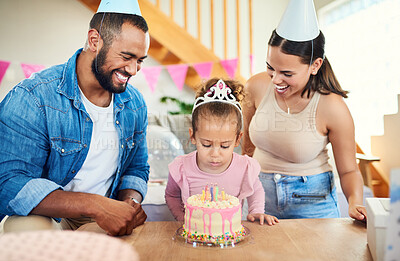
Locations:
31 68
230 66
3 68
151 74
203 69
251 64
178 74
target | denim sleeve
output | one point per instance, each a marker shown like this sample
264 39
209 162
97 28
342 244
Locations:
137 173
24 147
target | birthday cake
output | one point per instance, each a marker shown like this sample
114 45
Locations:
214 218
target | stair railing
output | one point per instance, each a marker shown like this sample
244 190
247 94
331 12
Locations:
237 26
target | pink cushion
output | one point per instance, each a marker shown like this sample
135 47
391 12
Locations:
64 245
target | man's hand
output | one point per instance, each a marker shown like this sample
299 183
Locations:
140 215
119 218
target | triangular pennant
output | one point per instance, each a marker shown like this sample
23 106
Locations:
3 68
31 68
230 66
178 74
151 74
203 69
251 64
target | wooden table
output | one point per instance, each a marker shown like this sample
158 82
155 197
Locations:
291 239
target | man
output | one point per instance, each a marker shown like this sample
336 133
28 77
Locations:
73 137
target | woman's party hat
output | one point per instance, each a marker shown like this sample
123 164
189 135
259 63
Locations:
299 22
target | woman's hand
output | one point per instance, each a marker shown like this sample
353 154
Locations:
358 212
271 220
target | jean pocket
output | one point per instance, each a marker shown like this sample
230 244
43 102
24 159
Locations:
66 146
136 139
310 196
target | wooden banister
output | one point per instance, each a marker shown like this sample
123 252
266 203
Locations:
238 33
198 20
212 22
373 177
365 170
171 7
225 29
251 33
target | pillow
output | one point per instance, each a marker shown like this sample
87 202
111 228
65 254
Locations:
163 147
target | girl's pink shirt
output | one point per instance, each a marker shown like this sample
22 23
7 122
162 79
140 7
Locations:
240 179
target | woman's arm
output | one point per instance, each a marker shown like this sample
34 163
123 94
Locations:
255 89
336 121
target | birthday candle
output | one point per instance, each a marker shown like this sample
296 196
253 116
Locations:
216 193
223 195
212 194
203 194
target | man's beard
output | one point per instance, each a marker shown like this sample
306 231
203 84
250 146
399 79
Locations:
103 77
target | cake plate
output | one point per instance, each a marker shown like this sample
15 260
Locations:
188 242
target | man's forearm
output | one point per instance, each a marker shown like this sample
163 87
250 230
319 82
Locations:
65 204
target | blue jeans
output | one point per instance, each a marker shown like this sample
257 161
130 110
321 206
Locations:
311 196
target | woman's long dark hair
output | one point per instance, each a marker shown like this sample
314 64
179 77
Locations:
324 81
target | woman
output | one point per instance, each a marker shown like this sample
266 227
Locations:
291 112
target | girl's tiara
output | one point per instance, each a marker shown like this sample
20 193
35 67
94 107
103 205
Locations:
219 92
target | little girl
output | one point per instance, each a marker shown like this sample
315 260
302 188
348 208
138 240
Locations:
216 131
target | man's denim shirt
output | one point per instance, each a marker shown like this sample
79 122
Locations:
45 134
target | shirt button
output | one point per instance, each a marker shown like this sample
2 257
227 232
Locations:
133 144
277 177
73 171
87 119
122 146
62 150
84 145
117 122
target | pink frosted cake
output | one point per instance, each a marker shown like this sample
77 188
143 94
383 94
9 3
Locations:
214 220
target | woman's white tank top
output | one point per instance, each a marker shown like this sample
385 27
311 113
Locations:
288 143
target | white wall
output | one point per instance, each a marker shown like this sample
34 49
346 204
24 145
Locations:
39 32
266 17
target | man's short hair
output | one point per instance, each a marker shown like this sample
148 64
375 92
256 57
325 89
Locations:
109 24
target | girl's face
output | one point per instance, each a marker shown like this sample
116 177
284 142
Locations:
215 140
288 73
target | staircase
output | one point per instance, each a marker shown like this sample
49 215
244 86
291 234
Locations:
172 44
387 147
